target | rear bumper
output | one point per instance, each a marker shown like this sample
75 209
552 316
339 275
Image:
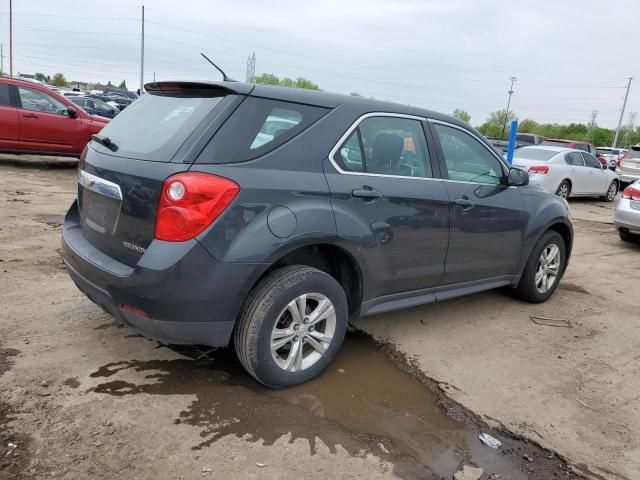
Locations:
177 293
627 217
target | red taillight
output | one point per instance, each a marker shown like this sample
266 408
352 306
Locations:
631 192
539 169
190 202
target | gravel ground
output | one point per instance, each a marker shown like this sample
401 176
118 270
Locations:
85 399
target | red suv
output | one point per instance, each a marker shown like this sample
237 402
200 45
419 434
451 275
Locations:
35 119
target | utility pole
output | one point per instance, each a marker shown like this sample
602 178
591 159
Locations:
11 38
624 106
506 112
251 68
592 125
629 129
142 56
1 59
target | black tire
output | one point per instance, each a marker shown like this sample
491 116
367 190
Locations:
628 237
565 185
262 310
526 289
612 191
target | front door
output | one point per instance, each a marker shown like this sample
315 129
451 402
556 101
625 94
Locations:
9 131
487 217
391 212
45 124
598 180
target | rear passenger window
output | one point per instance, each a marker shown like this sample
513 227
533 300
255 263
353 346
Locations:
258 126
386 146
5 101
575 159
349 157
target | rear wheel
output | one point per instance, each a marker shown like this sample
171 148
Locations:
564 189
612 191
544 269
628 237
292 326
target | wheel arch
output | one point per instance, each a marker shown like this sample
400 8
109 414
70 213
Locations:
326 257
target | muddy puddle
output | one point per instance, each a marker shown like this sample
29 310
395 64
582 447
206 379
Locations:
364 403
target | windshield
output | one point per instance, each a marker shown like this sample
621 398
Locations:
541 154
155 126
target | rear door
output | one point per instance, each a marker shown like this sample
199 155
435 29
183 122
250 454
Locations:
392 211
579 173
488 218
9 127
45 124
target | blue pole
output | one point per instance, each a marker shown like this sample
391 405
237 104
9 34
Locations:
512 141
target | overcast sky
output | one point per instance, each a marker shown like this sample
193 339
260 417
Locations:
570 57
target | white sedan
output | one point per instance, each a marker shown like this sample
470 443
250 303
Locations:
567 172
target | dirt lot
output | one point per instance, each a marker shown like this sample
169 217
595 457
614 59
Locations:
82 398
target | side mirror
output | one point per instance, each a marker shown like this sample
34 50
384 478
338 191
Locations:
72 112
517 178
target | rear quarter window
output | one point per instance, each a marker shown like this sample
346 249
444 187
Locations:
258 126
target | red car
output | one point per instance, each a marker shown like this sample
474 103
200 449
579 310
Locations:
35 119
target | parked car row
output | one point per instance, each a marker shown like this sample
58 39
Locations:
35 119
567 172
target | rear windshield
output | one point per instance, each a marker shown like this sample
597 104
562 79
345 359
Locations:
258 126
535 154
155 125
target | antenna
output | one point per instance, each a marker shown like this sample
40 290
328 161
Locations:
224 75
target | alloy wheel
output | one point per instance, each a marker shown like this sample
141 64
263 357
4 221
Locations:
548 268
563 191
613 190
303 332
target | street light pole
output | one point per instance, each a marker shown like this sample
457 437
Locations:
624 106
506 112
11 38
142 56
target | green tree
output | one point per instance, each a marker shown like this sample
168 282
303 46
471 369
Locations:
355 94
41 77
268 79
271 79
109 84
59 80
528 126
306 84
123 84
493 126
461 115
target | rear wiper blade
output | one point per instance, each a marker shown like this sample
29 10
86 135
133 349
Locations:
105 141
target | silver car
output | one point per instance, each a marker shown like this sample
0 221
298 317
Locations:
611 155
628 168
567 172
626 216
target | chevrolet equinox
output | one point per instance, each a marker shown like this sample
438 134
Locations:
224 212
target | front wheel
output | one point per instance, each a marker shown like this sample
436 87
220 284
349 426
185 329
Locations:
612 191
628 237
291 326
544 269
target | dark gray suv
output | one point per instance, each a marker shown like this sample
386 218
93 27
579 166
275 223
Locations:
220 212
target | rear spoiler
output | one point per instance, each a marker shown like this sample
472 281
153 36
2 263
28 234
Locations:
223 88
